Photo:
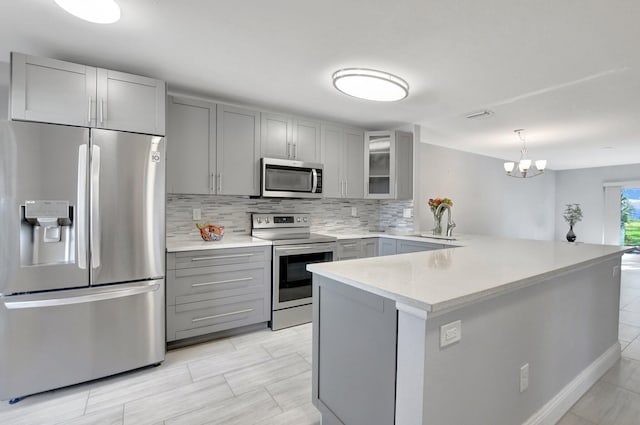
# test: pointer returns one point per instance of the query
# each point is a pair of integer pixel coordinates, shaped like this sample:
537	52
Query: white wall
4	90
585	187
486	201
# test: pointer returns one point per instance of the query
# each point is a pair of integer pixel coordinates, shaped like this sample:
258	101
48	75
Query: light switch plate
354	212
407	212
450	333
197	214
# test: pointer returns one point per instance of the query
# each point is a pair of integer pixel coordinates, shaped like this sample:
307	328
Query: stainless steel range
294	246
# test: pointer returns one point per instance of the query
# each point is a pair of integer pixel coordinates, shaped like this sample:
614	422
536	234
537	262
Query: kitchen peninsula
494	331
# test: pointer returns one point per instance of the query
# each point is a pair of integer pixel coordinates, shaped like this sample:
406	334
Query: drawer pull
221	257
349	245
243	279
215	316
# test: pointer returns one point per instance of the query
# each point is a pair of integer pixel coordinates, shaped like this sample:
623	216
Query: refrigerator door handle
95	206
81	208
85	297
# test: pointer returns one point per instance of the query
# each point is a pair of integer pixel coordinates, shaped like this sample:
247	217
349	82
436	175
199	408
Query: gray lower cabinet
369	247
215	290
403	246
351	382
59	92
387	246
212	148
348	249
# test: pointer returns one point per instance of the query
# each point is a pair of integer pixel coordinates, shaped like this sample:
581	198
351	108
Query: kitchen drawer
349	249
200	318
205	283
218	257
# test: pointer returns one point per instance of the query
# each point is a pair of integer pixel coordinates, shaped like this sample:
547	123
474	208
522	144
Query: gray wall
559	327
486	201
585	187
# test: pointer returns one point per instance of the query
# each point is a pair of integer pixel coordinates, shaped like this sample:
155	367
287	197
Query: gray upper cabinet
342	156
130	102
388	165
276	136
238	153
285	137
306	140
212	149
53	91
191	143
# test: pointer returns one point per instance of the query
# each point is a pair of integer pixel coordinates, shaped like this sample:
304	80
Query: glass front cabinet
388	165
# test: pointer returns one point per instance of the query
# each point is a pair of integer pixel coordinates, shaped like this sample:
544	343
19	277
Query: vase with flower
572	215
437	212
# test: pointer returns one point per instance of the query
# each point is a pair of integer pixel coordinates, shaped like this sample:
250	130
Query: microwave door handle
314	174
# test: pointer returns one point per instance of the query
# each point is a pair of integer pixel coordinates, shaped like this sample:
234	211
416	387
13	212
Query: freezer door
60	338
43	207
127	203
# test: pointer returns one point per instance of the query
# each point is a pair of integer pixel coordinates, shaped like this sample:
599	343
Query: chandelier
526	167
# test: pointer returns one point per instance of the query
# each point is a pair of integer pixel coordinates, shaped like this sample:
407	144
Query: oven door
291	280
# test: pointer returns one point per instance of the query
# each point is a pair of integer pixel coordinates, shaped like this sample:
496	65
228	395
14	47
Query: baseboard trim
555	409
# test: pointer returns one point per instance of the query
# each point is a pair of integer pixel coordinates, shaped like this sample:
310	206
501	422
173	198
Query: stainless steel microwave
284	178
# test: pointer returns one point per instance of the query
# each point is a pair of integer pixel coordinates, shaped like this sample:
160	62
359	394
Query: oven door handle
310	249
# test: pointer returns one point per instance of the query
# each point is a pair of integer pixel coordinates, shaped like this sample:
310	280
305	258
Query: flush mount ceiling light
96	11
370	84
526	167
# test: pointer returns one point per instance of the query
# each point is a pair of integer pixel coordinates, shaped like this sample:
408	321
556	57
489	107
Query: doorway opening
630	216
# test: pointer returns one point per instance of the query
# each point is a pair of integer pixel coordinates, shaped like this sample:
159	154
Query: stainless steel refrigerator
81	255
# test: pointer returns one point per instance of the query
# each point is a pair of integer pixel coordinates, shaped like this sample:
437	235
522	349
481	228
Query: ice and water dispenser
46	233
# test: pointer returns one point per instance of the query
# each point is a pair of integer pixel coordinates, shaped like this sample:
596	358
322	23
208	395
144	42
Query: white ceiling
567	71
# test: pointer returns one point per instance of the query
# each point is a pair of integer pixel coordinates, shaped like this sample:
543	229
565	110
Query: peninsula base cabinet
216	290
354	384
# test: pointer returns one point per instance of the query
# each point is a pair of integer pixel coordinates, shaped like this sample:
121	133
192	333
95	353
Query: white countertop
228	241
440	280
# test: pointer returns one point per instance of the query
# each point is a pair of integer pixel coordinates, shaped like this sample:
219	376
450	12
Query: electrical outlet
450	333
354	212
197	214
407	212
524	377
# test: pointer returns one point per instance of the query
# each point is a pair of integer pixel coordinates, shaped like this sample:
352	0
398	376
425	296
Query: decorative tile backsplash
234	213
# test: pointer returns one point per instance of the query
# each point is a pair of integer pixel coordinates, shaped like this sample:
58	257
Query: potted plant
572	215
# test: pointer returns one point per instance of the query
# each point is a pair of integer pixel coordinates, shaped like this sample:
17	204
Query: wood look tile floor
264	378
261	378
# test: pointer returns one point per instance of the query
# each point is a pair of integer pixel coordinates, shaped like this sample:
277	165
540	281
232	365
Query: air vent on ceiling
480	114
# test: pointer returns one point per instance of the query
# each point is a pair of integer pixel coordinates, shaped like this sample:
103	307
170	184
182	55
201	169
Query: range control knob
298	219
305	219
267	220
258	220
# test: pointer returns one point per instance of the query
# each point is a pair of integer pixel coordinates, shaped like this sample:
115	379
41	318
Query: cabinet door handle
212	187
220	282
288	150
295	151
346	188
89	112
216	316
221	257
219	183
